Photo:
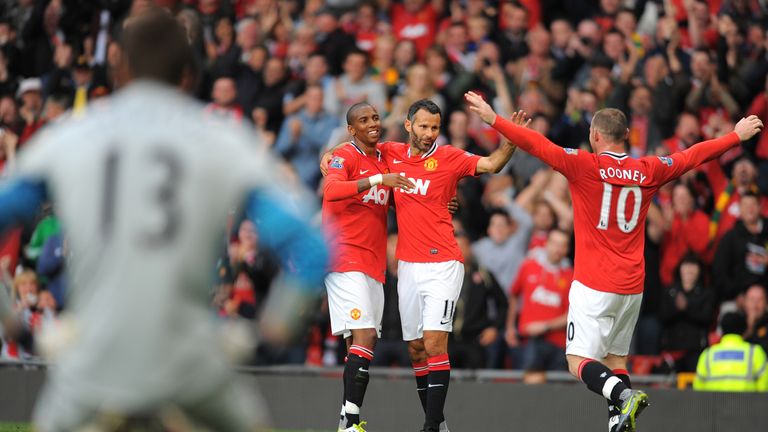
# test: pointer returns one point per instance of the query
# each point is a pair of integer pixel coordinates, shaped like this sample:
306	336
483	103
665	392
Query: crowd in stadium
682	70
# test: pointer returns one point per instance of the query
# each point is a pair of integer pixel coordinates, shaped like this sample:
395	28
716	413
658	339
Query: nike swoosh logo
395	161
434	385
444	323
362	172
363	370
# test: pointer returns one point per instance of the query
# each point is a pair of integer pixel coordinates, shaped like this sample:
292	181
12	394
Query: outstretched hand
748	127
520	118
480	106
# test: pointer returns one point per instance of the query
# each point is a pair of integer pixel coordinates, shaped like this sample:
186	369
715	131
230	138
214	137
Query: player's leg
353	311
617	364
418	356
441	288
616	358
356	375
411	304
590	322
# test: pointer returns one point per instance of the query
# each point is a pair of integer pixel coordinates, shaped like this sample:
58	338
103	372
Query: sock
421	371
437	390
356	370
342	414
602	381
623	375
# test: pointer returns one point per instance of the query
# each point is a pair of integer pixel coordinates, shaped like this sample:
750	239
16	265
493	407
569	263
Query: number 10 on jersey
621	208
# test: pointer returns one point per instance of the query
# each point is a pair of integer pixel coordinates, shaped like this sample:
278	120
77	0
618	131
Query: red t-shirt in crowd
611	195
420	27
691	234
423	221
356	227
543	289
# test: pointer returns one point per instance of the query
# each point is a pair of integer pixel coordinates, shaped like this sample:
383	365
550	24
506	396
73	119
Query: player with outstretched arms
611	194
143	183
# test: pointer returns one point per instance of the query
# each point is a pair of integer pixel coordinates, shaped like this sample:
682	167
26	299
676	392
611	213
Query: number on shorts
621	218
448	311
570	331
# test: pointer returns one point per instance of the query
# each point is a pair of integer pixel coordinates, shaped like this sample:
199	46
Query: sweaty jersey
611	194
425	230
143	185
356	226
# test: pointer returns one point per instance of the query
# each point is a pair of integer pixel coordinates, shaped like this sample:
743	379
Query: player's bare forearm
494	162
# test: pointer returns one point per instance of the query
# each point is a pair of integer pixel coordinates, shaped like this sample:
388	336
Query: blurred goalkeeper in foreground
143	184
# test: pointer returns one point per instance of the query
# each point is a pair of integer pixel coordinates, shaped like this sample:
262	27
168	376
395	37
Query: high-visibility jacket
732	365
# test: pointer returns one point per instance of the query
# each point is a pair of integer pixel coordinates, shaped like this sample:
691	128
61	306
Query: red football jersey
544	291
425	230
611	194
356	227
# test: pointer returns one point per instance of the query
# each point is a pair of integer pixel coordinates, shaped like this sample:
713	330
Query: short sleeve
341	165
463	162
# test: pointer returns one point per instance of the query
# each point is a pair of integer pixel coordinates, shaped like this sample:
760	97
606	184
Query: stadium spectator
759	106
356	85
332	42
686	311
224	101
502	251
418	85
303	136
733	365
30	94
512	33
315	73
709	96
686	230
415	20
272	93
481	311
538	308
741	258
535	69
756	312
687	133
249	77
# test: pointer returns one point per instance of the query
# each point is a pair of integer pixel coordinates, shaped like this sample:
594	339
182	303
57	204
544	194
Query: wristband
375	179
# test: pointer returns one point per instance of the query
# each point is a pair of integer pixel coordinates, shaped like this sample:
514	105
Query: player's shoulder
392	146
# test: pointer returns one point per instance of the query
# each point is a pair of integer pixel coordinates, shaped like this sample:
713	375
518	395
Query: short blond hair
612	123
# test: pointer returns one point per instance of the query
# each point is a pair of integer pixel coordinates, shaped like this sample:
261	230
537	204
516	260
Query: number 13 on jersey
621	207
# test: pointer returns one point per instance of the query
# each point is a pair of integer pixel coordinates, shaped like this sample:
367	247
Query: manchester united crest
430	164
355	314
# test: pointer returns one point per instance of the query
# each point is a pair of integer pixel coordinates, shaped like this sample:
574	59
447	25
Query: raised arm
677	164
494	162
526	139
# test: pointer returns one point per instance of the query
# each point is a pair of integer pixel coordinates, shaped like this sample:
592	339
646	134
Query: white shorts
600	323
427	293
355	301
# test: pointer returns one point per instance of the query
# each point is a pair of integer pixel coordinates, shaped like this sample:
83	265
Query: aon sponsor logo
422	186
378	196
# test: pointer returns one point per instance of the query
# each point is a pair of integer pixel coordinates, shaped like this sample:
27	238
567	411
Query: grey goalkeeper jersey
142	184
